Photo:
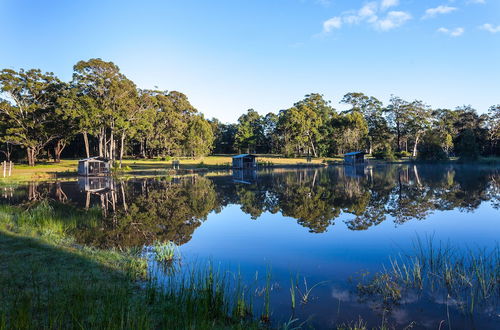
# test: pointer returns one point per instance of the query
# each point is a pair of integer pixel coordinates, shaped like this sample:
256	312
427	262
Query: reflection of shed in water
245	176
94	166
357	157
94	184
357	171
104	188
245	161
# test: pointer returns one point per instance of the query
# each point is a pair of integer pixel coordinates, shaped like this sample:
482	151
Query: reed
469	276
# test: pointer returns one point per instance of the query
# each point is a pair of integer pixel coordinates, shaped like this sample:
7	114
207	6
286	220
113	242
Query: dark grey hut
94	166
245	161
356	157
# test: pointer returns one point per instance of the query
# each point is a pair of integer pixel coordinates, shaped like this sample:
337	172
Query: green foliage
164	251
431	148
385	153
467	147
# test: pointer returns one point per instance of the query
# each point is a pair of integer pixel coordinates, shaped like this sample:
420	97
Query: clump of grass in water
165	252
470	277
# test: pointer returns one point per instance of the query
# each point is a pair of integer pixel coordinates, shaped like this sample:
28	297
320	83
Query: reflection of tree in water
139	211
158	210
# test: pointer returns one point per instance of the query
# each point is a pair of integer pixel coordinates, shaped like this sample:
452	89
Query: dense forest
101	112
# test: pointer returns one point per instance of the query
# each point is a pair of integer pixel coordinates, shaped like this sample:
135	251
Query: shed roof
98	158
354	153
244	155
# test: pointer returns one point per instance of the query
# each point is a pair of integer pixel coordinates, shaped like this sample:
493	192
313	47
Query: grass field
67	167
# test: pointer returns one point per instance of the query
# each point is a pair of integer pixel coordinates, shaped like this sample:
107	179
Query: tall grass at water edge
468	277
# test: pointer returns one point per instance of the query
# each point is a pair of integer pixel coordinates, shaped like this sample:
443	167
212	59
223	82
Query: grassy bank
48	281
67	167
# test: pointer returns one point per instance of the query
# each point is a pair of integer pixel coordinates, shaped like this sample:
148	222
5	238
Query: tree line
313	127
101	112
40	113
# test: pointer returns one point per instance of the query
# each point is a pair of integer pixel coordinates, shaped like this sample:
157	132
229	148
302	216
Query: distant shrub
467	147
402	154
385	153
431	148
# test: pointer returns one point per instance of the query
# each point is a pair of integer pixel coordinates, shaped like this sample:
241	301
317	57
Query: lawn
67	167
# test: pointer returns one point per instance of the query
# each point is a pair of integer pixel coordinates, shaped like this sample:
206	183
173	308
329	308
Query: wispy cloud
482	2
372	13
433	12
490	28
393	20
389	3
456	32
331	24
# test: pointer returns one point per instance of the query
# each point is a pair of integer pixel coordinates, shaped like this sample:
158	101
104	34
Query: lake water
325	226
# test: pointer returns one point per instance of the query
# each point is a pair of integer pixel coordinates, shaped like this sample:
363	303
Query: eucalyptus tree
417	115
250	131
396	114
28	109
108	98
494	128
199	137
371	109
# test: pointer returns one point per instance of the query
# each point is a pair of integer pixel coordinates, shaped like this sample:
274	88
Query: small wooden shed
94	166
245	161
356	157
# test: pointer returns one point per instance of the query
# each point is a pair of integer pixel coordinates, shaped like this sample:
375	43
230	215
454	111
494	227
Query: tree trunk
30	152
58	148
314	149
86	140
101	144
122	141
415	146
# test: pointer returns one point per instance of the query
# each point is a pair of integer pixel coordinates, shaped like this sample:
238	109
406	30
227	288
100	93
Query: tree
396	114
350	132
431	148
371	109
29	109
417	117
199	137
250	131
494	128
468	148
105	100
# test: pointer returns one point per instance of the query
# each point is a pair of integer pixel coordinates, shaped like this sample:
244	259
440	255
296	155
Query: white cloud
332	23
389	3
478	1
457	32
490	28
433	12
393	20
372	13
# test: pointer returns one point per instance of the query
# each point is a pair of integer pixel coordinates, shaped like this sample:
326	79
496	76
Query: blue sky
228	56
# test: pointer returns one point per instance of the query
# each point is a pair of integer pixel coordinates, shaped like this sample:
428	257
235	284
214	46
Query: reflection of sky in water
232	236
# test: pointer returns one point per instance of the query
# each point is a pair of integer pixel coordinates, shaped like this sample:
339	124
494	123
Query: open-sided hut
245	161
94	166
356	157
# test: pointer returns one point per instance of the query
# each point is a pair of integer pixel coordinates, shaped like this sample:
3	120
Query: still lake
327	226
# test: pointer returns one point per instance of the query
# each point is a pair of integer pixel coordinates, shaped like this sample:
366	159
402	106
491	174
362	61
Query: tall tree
250	131
29	109
371	109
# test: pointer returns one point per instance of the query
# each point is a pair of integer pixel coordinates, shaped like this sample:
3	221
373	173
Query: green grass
48	281
67	167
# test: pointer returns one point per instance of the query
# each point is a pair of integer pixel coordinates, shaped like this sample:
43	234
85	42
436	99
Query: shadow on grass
51	287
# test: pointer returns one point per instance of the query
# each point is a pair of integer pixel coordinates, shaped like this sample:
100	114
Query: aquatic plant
165	252
469	277
305	293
